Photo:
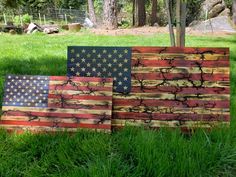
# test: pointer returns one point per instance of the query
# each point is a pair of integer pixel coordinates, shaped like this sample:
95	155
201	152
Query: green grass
129	152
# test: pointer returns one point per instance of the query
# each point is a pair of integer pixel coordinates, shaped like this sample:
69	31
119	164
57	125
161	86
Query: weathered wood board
53	103
176	87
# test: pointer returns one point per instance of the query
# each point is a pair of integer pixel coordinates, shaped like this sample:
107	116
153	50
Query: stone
225	12
216	10
209	4
217	24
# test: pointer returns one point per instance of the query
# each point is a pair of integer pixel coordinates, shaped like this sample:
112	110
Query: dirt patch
153	31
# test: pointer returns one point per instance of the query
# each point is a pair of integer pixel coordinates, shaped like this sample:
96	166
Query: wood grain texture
176	87
72	103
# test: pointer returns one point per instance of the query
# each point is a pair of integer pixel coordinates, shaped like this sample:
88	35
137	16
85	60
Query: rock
216	10
88	23
217	24
225	12
208	5
51	30
12	31
65	27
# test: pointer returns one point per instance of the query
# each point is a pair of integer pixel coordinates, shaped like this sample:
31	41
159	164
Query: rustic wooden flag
51	103
103	62
176	87
173	87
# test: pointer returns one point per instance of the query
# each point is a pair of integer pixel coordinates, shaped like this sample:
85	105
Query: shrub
26	18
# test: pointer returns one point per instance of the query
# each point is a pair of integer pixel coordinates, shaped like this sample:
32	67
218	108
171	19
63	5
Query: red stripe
81	79
169	117
180	50
172	103
221	62
80	97
79	88
79	106
51	124
180	90
179	76
56	115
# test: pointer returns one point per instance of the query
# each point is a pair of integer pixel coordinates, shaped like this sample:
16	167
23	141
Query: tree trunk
178	22
154	12
110	14
183	24
140	13
133	12
91	10
234	11
171	30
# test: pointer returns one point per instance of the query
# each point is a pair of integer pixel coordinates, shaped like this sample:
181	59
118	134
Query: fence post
21	22
5	19
44	19
40	20
66	19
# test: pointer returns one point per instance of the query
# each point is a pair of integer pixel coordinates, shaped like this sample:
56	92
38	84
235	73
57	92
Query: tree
92	12
154	12
180	22
234	11
139	13
170	21
110	14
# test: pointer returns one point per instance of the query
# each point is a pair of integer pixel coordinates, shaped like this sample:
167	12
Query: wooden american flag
176	87
51	103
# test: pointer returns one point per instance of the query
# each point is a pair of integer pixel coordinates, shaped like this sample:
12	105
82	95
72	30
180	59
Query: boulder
225	12
217	24
216	10
208	5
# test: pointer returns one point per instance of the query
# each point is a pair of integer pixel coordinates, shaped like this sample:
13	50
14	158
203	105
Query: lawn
129	152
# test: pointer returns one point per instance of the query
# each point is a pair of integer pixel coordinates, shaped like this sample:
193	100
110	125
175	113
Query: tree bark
154	12
178	22
183	24
91	10
171	30
140	13
234	11
110	14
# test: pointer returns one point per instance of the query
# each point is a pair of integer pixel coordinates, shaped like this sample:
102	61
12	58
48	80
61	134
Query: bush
26	18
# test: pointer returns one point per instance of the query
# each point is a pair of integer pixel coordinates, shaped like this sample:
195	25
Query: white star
126	69
115	51
109	64
125	78
88	64
120	74
99	64
115	60
83	51
88	73
120	65
83	69
120	83
104	51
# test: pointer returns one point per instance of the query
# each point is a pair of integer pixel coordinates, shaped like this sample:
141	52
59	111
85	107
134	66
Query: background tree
154	12
139	13
234	11
92	12
170	21
110	14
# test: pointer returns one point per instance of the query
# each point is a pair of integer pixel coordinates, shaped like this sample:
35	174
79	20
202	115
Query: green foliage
193	10
26	19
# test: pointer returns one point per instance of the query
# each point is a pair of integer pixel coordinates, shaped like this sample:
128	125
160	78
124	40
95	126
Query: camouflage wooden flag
176	87
51	103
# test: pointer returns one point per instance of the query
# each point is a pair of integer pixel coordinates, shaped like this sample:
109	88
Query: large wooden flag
173	87
102	62
43	103
176	87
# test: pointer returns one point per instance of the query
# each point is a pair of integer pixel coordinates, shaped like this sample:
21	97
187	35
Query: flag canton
103	62
26	91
